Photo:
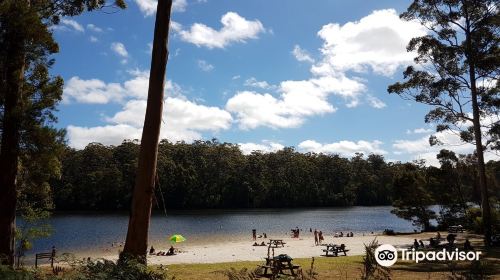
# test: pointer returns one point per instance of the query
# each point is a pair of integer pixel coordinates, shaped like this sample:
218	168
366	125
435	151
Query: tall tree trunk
485	202
137	235
476	122
9	149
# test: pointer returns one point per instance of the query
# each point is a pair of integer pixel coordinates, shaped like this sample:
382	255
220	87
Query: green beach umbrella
177	238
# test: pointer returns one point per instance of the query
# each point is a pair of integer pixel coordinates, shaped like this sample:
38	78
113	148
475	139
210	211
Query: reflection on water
75	232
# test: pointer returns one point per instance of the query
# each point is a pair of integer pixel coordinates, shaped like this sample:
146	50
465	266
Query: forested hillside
210	174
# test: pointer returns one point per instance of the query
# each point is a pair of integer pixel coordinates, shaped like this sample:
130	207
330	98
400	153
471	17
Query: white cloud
235	77
175	26
266	147
297	101
93	27
234	29
301	54
179	5
377	42
205	66
375	102
119	49
95	91
421	130
93	39
253	82
79	137
91	91
254	109
182	119
69	24
343	148
148	7
179	114
421	149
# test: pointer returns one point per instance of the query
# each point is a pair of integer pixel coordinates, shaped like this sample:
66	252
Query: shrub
371	269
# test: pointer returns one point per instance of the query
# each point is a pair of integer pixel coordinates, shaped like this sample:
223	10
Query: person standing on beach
315	237
254	234
320	237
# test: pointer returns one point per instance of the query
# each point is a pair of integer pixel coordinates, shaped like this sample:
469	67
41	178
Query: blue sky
264	74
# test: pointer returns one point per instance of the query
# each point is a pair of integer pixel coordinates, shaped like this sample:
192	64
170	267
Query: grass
327	268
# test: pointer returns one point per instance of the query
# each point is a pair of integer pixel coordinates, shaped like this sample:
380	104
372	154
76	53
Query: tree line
211	174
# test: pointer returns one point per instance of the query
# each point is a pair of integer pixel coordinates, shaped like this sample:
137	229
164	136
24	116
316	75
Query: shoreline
242	249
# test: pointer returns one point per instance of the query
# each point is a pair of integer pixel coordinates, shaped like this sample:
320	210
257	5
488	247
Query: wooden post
53	256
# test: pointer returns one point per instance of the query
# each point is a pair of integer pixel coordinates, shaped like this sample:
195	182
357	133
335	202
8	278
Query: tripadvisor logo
387	255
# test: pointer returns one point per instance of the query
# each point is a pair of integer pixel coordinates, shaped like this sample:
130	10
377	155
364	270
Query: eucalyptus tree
457	70
28	93
136	242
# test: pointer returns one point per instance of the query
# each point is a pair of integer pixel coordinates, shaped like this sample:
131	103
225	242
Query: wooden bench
51	256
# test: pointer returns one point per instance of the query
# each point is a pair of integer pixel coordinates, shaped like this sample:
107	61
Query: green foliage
234	274
412	201
371	269
31	228
476	222
99	269
28	98
9	273
210	174
102	269
460	59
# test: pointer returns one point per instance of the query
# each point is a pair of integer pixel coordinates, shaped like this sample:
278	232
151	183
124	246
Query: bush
371	269
477	220
389	232
8	273
99	269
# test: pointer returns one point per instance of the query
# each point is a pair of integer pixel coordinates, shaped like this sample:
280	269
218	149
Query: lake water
84	232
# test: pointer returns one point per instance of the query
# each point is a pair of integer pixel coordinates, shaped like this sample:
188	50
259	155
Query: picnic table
333	250
275	243
456	229
279	265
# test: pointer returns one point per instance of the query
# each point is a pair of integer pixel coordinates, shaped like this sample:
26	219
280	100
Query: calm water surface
81	232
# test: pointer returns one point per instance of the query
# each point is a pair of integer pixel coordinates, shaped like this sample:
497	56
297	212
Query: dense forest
210	174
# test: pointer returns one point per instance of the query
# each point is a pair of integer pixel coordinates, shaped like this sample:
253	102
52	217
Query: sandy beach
242	250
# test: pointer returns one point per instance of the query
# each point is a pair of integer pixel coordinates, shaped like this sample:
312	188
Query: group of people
295	232
170	252
318	237
435	241
341	234
255	236
418	244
